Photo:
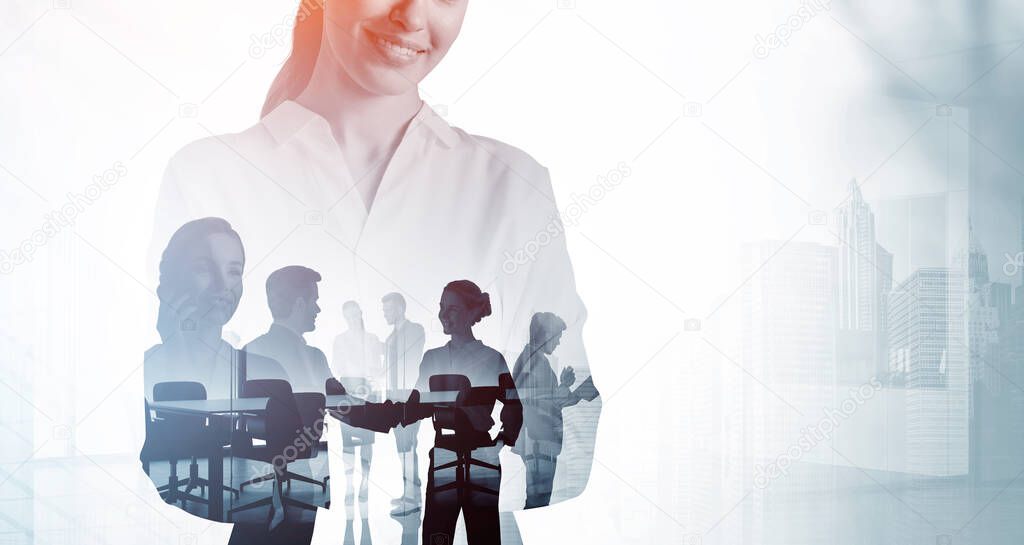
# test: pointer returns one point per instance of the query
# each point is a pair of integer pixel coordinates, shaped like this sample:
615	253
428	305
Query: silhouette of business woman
462	306
199	290
544	396
200	286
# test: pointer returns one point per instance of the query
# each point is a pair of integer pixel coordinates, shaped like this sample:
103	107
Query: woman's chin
382	79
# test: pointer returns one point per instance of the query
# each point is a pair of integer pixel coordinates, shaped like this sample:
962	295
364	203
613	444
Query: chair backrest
178	391
282	417
176	425
448	418
267	387
449	383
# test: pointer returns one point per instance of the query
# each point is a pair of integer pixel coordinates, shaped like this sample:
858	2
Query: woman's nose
409	14
218	280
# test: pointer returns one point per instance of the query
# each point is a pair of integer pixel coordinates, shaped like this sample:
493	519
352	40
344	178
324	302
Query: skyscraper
864	280
928	347
857	264
788	339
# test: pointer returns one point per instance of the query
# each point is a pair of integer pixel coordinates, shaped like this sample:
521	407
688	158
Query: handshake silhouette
459	411
381	417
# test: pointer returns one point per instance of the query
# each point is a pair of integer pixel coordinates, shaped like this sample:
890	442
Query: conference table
255	406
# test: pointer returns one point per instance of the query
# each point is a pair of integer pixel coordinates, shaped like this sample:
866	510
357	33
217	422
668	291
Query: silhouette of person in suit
403	350
292	295
358	356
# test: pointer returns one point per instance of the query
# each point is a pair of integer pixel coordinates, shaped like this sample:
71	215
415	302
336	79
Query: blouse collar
290	117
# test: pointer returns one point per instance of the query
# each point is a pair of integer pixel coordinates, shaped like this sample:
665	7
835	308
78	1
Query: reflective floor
104	500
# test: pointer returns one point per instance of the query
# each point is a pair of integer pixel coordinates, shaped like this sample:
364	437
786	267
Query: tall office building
928	348
789	320
856	224
1001	297
983	317
884	260
789	343
864	280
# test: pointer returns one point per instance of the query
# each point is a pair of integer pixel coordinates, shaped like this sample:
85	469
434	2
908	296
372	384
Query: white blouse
450	206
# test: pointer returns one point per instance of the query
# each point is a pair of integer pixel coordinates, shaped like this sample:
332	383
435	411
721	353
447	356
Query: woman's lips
395	51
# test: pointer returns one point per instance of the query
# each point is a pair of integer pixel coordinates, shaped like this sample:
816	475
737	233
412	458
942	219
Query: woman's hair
173	273
471	296
296	72
544	326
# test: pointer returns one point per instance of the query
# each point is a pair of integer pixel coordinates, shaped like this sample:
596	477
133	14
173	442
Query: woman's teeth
397	49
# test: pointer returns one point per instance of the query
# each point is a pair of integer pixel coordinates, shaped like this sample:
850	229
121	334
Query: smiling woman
350	173
383	50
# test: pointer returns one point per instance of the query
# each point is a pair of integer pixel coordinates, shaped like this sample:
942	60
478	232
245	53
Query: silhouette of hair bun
471	295
485	304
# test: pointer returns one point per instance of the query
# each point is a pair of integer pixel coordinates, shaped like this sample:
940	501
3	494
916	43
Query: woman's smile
396	51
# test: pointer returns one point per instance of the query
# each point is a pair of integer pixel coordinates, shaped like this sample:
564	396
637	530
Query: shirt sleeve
545	282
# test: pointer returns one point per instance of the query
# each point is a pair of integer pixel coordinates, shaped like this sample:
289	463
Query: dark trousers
479	509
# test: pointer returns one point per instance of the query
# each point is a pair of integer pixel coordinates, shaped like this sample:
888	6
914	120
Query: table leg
216	478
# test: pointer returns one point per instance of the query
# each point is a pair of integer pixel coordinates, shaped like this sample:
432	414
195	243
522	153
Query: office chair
289	420
176	437
461	437
271	388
